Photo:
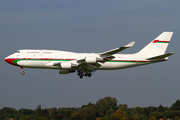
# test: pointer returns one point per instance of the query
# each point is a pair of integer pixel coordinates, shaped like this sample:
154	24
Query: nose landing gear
22	71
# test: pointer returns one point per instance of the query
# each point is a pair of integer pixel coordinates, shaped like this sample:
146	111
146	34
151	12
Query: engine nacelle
66	65
66	71
90	59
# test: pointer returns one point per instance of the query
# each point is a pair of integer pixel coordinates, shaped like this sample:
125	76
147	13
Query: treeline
104	109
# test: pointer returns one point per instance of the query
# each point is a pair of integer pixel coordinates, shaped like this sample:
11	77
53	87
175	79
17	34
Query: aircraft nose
9	60
5	59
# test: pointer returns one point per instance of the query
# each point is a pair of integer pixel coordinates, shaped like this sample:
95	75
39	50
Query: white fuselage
47	58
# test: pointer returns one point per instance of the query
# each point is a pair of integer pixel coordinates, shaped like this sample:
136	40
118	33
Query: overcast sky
88	26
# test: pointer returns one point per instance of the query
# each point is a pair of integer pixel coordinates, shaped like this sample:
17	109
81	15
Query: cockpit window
17	51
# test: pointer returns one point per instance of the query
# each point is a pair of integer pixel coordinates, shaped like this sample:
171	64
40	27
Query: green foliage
137	111
87	113
123	107
8	112
176	105
143	117
146	112
153	109
153	118
114	117
161	108
174	113
107	103
19	117
176	118
26	111
166	114
156	114
165	118
104	109
52	112
109	112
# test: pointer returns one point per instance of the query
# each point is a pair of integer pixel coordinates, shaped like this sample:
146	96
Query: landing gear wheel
86	74
81	75
90	74
22	72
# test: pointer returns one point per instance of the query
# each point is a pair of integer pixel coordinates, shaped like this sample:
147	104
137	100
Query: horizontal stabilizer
116	50
160	56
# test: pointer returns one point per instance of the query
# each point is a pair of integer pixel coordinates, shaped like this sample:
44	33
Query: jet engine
67	65
90	59
93	59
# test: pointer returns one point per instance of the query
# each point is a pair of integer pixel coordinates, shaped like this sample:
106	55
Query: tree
154	109
45	113
143	117
19	117
100	112
109	112
38	110
74	114
113	117
52	112
88	113
166	114
165	118
174	113
107	103
176	105
146	112
69	112
26	111
176	118
59	117
123	107
137	111
161	108
155	114
8	112
153	118
119	113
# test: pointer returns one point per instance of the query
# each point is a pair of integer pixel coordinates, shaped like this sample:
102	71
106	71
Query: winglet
130	44
116	50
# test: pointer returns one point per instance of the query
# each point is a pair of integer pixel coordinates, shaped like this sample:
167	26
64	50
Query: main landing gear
22	71
82	74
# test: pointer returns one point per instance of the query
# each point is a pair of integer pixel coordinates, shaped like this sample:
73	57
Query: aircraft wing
90	66
116	50
89	62
74	64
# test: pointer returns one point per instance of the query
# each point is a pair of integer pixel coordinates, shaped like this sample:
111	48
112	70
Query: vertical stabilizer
158	46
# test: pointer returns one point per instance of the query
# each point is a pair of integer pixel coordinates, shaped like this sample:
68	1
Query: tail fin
158	46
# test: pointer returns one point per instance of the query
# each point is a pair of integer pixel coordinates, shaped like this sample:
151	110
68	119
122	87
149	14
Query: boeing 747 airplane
85	63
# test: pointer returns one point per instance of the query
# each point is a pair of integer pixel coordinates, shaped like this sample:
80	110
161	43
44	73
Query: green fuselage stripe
162	42
123	61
